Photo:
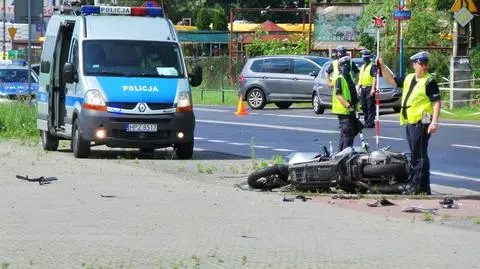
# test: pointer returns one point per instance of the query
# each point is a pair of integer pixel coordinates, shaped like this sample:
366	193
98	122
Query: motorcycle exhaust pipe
383	188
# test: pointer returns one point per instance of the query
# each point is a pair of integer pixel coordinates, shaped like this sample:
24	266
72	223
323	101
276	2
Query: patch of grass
477	220
18	120
428	217
209	169
234	169
461	113
252	154
278	159
181	169
214	97
263	164
446	216
419	196
196	260
5	265
244	260
200	168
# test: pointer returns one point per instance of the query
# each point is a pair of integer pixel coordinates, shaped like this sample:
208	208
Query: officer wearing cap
341	52
345	104
367	94
420	111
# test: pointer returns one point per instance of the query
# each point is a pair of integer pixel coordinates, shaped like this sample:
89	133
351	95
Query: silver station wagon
279	79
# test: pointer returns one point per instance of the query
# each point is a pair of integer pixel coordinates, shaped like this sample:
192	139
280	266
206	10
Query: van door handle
294	79
265	77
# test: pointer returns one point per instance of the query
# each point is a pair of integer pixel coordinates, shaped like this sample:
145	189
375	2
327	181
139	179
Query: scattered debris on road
41	180
419	209
381	202
107	196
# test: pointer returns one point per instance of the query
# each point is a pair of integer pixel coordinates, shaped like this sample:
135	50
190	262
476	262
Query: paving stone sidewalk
108	212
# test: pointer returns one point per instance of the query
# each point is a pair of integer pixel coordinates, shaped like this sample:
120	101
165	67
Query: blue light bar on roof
115	10
87	10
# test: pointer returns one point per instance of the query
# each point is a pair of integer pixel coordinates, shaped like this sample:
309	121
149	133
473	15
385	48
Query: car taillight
241	78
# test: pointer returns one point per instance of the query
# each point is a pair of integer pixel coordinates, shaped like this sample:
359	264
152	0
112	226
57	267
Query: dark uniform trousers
350	126
368	105
418	137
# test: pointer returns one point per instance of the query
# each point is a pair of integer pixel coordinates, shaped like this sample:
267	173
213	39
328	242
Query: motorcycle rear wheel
270	177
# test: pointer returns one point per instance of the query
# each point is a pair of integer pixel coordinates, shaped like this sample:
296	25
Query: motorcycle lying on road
354	169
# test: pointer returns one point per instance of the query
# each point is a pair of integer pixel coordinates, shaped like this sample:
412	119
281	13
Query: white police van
115	76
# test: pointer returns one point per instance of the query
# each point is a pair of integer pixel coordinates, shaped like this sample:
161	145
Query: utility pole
29	48
4	30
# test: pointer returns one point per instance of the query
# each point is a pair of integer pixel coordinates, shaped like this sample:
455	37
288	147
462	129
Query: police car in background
14	82
115	76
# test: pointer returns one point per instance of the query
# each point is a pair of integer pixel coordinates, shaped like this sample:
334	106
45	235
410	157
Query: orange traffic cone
241	107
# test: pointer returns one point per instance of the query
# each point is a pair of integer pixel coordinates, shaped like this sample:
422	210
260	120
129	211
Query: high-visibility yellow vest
336	70
418	102
337	106
364	77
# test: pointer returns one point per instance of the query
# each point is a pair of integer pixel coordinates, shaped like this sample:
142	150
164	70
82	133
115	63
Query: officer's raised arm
385	72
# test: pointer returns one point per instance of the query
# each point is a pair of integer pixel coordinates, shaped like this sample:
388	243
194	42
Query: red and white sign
378	21
48	11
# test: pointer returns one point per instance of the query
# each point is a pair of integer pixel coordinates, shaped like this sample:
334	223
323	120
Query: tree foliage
204	19
220	22
426	28
292	45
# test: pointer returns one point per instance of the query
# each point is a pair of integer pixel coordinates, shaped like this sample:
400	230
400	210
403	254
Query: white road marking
283	150
335	118
216	141
198	149
261	147
442	174
389	138
238	144
211	110
199	138
280	127
465	146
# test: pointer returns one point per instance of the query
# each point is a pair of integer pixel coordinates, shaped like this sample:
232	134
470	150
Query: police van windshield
132	58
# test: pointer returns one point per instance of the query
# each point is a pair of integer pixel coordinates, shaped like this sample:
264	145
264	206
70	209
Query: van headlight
94	100
184	103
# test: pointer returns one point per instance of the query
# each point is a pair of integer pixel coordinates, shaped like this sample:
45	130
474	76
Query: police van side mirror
195	77
69	73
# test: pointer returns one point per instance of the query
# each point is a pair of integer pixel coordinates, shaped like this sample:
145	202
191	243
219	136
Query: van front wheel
49	142
80	146
184	151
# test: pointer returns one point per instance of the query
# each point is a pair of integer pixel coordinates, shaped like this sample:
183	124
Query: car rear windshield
132	58
15	75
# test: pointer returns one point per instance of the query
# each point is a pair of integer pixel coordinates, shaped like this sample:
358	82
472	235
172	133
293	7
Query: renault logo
142	107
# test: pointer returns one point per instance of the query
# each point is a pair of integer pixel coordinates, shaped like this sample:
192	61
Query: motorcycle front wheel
270	177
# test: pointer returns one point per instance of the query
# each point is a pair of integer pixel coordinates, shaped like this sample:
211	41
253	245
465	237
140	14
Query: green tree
220	22
424	29
204	19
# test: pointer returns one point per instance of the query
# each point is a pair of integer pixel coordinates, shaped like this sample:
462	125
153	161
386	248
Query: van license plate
140	127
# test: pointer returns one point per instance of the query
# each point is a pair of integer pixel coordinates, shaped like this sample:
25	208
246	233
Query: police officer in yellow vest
367	94
334	67
345	104
420	111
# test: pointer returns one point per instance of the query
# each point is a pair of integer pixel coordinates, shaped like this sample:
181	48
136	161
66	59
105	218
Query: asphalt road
454	150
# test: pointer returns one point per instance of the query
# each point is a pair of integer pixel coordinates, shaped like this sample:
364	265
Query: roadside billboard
336	24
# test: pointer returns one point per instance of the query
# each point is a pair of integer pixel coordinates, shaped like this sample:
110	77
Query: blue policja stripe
42	97
125	89
71	100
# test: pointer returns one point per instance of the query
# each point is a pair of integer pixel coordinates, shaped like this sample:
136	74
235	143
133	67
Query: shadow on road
159	154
